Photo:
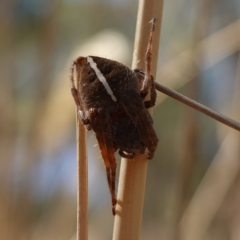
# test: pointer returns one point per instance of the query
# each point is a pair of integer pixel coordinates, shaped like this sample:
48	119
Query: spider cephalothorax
110	101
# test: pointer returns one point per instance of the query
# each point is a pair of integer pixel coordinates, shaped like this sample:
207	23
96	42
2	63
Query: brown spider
110	101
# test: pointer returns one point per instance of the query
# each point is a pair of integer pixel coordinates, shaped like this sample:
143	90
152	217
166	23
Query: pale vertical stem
82	171
132	177
217	182
189	152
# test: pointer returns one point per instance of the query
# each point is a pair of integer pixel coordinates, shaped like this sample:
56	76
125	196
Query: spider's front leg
153	94
100	124
148	60
75	93
133	105
150	86
145	78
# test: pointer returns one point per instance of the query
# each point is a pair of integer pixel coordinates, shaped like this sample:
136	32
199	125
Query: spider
110	101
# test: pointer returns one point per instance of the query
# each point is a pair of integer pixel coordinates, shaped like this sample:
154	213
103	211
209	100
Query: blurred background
192	189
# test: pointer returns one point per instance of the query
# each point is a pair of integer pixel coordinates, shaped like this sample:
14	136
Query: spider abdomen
125	134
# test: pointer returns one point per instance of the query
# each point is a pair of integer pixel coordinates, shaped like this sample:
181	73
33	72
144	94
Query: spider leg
75	93
150	103
133	105
148	82
148	60
143	92
100	124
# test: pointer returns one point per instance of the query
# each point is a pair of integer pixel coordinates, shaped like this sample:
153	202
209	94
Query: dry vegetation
192	189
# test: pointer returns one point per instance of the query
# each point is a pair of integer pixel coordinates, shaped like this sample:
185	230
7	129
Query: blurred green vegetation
37	123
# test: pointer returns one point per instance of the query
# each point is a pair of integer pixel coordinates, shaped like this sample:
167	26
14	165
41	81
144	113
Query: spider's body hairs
101	78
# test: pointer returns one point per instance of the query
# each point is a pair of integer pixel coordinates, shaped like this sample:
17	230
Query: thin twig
199	107
82	171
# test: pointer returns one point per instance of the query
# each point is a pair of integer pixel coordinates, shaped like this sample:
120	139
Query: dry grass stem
217	182
132	177
212	190
82	171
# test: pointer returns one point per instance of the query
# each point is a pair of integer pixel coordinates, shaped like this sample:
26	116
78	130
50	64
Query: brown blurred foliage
192	185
